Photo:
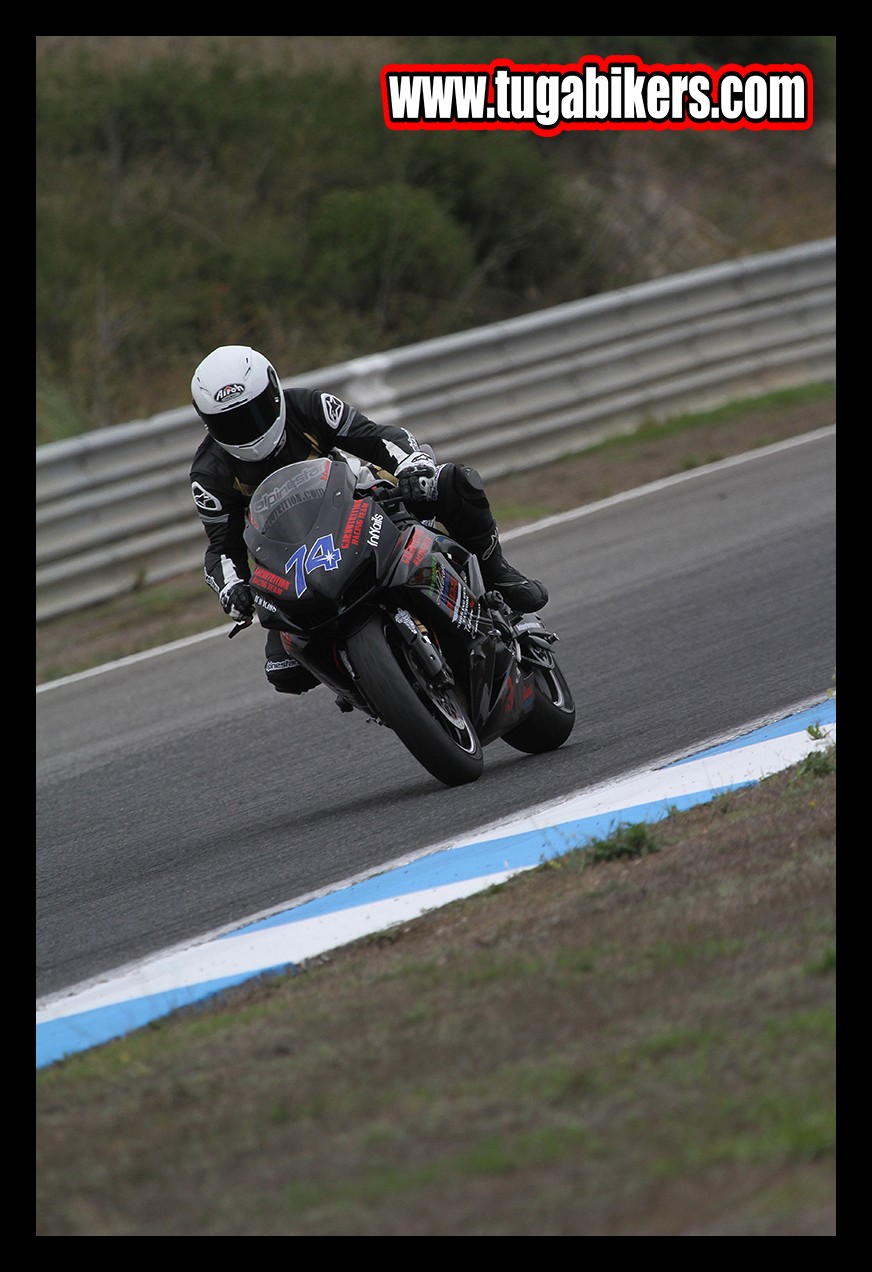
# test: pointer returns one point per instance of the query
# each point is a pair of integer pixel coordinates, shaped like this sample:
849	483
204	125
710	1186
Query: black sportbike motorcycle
392	615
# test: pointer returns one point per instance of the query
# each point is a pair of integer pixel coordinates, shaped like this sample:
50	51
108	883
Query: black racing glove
237	601
416	478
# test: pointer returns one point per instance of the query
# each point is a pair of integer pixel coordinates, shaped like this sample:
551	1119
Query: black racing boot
520	593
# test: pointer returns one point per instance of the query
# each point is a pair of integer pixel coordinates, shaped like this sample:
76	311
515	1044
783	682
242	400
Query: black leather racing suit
317	422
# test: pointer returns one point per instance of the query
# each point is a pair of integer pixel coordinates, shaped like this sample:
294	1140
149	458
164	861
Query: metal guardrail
114	508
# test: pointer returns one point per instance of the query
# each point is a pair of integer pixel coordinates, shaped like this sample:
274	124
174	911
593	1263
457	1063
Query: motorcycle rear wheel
428	719
552	717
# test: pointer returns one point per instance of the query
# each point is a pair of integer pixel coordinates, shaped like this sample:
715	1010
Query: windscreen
286	503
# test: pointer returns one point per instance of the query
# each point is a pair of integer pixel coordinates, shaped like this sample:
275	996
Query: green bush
391	251
198	195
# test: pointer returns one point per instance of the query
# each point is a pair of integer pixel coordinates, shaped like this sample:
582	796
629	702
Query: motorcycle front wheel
429	719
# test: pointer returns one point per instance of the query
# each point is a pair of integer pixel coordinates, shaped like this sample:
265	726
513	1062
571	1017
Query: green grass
645	1046
768	404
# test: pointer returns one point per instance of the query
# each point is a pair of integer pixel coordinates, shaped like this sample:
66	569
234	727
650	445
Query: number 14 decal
323	555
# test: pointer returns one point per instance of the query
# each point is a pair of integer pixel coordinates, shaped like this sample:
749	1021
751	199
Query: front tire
428	719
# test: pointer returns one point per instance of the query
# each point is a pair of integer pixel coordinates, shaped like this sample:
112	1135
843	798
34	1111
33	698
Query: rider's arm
331	422
222	513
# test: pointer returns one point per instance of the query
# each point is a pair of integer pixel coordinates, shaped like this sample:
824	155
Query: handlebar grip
384	493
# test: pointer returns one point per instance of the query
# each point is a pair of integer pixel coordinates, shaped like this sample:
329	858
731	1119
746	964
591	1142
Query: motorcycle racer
254	427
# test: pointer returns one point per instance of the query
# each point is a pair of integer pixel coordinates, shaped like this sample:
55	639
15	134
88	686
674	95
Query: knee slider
466	483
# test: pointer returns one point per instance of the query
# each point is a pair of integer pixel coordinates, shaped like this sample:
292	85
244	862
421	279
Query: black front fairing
317	548
326	554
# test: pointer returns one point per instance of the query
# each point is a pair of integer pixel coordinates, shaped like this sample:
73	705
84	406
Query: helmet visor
248	422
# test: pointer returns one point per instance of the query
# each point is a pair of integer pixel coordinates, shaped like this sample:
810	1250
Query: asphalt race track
178	795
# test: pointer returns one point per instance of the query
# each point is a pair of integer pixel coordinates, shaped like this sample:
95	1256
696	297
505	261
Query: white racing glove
236	601
416	476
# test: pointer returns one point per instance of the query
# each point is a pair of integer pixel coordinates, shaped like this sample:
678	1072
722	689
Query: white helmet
238	397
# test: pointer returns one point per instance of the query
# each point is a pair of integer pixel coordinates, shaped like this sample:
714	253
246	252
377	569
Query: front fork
415	638
420	644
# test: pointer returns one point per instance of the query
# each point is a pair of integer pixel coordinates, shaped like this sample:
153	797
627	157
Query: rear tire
552	717
429	720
